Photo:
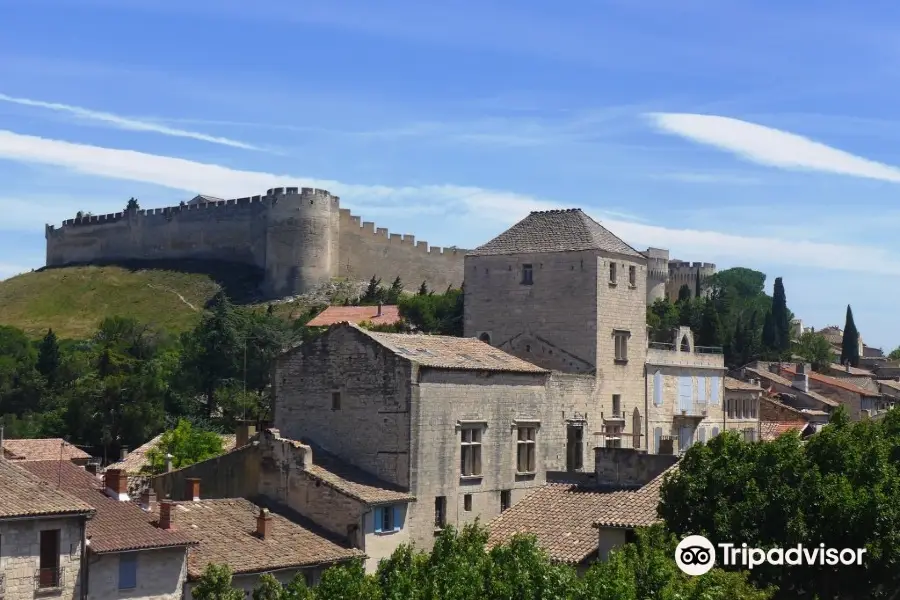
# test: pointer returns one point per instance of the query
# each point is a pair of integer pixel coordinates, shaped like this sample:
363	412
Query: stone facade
20	558
684	392
406	423
299	237
160	575
742	410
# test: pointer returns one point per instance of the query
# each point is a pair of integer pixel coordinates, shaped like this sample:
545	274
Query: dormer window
527	275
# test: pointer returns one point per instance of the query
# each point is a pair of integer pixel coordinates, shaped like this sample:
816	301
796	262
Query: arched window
485	337
685	344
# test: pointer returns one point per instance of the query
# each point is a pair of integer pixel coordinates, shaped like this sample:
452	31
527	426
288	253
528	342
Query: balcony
614	417
674	348
695	413
49	579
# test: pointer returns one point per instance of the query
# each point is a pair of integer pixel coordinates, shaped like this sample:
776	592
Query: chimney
148	500
123	453
192	489
169	458
379	310
244	431
116	484
801	381
264	523
165	514
848	367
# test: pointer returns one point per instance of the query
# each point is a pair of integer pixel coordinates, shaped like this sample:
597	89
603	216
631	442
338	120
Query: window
657	435
657	389
128	571
621	338
505	500
574	447
703	435
335	401
527	275
49	573
729	404
703	391
715	431
752	408
685	393
440	512
632	276
526	450
685	438
388	519
612	272
612	436
617	405
470	465
467	502
714	391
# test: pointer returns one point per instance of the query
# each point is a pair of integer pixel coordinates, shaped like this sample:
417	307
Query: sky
747	133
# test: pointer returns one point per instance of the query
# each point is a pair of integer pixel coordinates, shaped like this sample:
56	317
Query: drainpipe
85	572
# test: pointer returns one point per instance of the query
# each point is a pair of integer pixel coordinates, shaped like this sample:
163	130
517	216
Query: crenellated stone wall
300	238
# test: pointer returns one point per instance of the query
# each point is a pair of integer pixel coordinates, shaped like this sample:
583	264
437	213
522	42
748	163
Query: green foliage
186	444
215	584
782	318
895	354
440	314
841	488
268	588
814	349
48	359
132	204
684	293
850	343
423	289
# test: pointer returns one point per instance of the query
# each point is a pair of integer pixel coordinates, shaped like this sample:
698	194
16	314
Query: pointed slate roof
555	231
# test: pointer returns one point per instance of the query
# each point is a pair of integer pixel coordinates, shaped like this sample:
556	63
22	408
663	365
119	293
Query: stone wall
627	467
235	474
770	410
161	575
20	557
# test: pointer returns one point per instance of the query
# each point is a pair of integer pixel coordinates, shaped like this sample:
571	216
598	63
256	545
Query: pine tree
781	318
48	359
710	333
423	289
394	293
132	204
850	343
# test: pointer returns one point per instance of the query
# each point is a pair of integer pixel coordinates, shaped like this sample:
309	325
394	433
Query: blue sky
745	133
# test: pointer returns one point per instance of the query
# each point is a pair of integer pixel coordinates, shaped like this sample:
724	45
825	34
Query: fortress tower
685	273
657	274
299	238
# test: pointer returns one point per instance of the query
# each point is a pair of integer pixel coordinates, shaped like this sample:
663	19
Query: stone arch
485	337
685	344
636	427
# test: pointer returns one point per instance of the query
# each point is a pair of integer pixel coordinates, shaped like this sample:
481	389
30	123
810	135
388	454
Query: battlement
355	224
681	265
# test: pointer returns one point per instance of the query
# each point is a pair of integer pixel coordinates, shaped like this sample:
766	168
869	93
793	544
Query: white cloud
771	147
709	178
475	205
126	123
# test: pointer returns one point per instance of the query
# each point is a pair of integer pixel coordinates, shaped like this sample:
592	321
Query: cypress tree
780	316
769	334
698	290
48	359
710	333
850	343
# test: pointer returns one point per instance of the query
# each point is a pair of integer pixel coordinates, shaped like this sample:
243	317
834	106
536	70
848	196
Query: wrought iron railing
49	578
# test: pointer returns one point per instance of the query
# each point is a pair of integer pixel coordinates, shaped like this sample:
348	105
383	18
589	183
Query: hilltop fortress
299	237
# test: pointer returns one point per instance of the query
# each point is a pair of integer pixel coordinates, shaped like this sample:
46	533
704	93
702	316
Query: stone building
466	428
742	407
684	392
666	277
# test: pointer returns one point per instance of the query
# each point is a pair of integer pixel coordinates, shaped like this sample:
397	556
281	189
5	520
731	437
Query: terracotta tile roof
825	379
737	384
42	449
226	530
774	377
849	370
137	460
447	352
354	482
771	430
556	231
117	526
24	494
390	314
564	517
866	383
889	383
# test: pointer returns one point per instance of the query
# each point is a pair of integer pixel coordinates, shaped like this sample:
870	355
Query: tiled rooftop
42	449
23	494
447	352
774	377
563	517
832	381
737	384
390	314
771	430
226	530
556	231
134	463
837	368
116	526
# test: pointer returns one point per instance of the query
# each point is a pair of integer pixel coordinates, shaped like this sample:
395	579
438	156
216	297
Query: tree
373	293
895	354
186	444
392	296
48	359
268	588
423	289
440	314
684	293
781	317
215	584
132	204
814	349
710	333
662	320
770	335
850	343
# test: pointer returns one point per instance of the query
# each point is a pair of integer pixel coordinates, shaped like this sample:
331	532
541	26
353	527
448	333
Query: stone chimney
801	380
848	367
148	500
263	523
165	514
244	431
123	453
116	483
192	489
169	458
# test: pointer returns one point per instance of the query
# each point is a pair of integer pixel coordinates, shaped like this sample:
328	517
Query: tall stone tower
657	274
302	239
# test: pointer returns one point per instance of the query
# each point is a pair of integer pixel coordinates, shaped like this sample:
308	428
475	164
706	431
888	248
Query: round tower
657	274
301	240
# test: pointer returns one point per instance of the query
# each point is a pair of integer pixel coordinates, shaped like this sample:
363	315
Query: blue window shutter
127	571
378	519
657	434
714	392
715	431
398	517
657	389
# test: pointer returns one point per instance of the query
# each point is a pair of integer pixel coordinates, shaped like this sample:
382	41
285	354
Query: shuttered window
657	389
685	391
714	390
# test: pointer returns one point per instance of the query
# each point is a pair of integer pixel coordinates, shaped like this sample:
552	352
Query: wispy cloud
500	207
715	178
126	123
771	147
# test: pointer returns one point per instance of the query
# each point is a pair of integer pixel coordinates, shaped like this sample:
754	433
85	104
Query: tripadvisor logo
696	555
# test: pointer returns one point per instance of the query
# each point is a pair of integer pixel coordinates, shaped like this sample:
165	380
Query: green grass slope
73	300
